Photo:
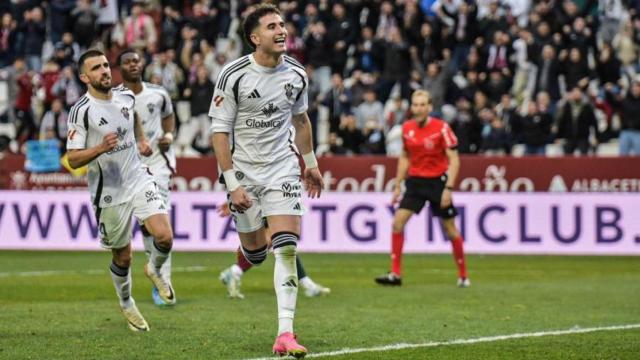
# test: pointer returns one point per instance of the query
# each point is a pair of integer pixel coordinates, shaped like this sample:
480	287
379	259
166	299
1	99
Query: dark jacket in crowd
578	128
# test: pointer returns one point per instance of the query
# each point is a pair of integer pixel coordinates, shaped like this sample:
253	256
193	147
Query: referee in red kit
431	160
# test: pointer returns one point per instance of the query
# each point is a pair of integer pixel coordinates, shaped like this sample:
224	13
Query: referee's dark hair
88	54
123	53
252	21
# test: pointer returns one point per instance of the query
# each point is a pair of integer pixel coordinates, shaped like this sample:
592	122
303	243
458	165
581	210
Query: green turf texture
75	314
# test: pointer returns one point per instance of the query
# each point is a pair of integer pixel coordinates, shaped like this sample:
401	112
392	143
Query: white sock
158	256
236	270
285	281
306	282
165	270
121	278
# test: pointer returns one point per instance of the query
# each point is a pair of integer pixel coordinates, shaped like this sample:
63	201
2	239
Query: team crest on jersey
125	112
429	144
120	132
269	110
288	90
151	108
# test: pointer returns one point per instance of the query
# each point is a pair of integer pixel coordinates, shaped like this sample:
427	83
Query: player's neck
136	87
267	60
422	120
98	94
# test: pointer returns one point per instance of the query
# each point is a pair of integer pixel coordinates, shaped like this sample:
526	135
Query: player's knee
164	239
397	226
257	256
285	243
123	260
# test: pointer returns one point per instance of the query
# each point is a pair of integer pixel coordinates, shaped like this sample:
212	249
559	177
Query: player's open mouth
280	40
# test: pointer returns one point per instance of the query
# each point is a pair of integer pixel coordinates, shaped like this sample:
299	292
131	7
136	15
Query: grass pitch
62	305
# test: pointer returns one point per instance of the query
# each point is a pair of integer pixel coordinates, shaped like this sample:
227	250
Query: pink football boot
286	344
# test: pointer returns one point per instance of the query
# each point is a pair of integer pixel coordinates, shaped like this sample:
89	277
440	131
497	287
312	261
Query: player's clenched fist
144	148
109	142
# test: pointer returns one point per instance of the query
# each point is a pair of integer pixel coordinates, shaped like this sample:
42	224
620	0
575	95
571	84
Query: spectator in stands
370	110
139	29
534	128
8	39
548	70
496	140
630	119
467	127
196	132
397	65
24	114
341	34
34	30
374	139
334	146
338	101
170	75
368	52
576	70
319	54
171	28
48	77
54	124
84	18
577	122
67	88
436	80
350	134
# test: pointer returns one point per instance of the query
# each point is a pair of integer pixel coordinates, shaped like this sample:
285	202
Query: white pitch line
574	330
86	272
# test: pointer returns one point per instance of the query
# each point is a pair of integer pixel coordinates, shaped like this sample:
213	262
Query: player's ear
255	39
84	78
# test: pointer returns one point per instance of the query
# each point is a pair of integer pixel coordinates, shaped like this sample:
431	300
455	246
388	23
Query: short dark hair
253	20
88	54
123	53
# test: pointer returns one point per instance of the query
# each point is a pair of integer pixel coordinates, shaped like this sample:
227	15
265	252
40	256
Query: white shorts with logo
115	221
283	197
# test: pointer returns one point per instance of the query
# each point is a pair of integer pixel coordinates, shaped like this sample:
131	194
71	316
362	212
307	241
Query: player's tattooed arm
303	139
143	144
81	157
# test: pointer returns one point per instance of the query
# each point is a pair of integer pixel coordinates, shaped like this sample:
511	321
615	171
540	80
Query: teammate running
257	98
153	105
431	160
102	125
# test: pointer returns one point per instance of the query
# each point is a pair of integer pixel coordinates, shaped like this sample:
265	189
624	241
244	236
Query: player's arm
401	173
81	157
143	145
168	127
312	178
238	195
454	169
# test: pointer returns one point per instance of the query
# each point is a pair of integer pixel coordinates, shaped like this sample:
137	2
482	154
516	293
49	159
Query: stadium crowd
502	73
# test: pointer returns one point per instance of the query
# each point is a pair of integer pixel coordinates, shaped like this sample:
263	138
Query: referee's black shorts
420	190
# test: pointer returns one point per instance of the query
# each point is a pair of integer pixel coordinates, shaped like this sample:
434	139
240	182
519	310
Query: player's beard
131	78
100	87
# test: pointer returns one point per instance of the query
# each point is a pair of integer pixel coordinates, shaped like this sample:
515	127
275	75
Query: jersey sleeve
77	133
223	110
167	106
302	100
450	139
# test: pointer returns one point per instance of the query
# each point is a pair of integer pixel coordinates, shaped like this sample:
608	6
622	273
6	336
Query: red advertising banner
375	174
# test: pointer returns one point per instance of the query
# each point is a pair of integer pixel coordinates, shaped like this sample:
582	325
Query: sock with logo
147	240
242	261
285	278
458	256
121	278
397	241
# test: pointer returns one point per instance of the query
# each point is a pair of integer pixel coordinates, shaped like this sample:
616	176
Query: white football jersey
254	104
152	105
116	175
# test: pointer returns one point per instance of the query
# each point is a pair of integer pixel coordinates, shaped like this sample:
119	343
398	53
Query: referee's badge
125	112
288	89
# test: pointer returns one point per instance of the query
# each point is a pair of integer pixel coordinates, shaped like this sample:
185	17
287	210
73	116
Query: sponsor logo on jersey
121	132
125	112
269	110
260	124
291	190
151	196
218	100
120	148
151	108
288	90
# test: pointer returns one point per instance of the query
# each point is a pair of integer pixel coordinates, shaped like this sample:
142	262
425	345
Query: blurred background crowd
512	77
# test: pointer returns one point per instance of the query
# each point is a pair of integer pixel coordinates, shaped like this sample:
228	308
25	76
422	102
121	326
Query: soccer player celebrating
153	105
256	99
231	277
431	160
105	134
